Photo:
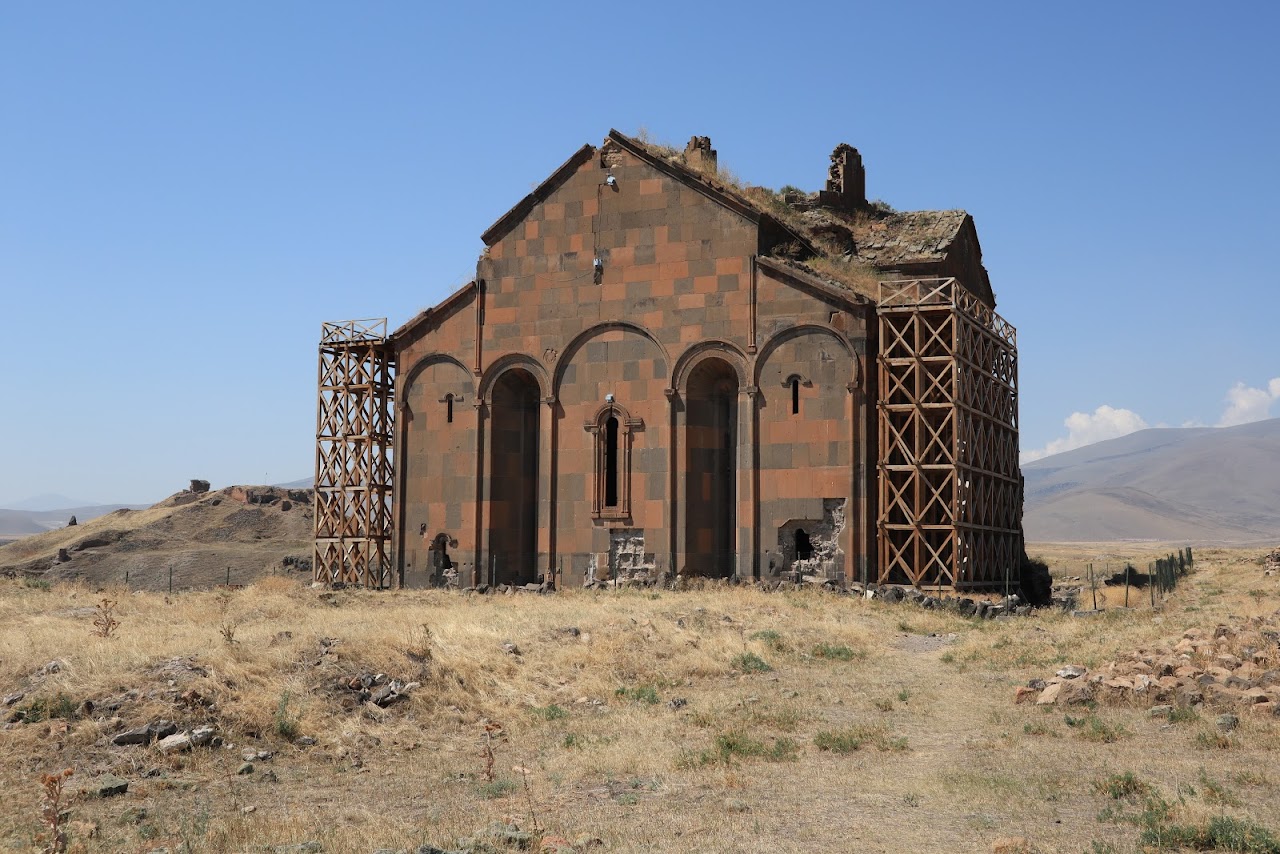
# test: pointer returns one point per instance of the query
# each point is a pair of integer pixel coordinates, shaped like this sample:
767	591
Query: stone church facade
658	372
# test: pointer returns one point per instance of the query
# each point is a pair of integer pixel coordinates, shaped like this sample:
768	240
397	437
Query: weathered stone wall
435	458
679	327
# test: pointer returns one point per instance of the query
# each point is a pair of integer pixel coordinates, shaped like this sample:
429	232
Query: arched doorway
513	480
711	456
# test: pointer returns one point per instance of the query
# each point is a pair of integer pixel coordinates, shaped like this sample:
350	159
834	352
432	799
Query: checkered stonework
634	385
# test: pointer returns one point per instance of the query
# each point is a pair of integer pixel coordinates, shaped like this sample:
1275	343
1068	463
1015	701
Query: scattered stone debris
1012	605
1271	563
1229	666
376	688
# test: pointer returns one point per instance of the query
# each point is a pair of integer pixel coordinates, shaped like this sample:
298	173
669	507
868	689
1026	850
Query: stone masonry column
480	570
674	472
746	564
546	488
748	499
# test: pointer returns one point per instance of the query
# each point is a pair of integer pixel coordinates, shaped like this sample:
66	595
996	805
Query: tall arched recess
711	454
513	478
438	447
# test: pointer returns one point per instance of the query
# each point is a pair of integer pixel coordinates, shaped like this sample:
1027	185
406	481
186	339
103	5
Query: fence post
1151	582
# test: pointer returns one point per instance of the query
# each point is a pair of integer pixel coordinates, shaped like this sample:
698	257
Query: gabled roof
509	219
814	281
673	165
714	190
427	315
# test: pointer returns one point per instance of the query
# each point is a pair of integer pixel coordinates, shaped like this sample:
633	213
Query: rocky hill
231	535
1208	485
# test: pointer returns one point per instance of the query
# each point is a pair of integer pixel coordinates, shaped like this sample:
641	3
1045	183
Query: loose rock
197	737
109	785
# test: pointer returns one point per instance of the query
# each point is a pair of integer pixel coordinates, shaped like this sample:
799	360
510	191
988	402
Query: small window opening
448	403
795	396
804	548
611	462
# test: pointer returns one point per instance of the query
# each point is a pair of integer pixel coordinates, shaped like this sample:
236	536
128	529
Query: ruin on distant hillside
658	372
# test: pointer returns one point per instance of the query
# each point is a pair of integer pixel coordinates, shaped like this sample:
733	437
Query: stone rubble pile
1271	563
1229	666
1012	605
376	688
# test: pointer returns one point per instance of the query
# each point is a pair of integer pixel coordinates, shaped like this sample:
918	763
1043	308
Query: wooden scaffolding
353	455
950	486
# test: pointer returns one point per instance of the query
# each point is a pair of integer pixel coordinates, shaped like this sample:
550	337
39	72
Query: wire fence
1157	583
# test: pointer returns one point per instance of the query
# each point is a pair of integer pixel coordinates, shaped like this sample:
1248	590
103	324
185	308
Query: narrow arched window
611	462
448	404
804	548
795	396
612	430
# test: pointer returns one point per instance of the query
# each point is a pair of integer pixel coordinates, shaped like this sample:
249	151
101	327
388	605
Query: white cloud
1084	429
1246	404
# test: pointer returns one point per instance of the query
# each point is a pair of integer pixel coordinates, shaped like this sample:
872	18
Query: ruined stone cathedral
659	372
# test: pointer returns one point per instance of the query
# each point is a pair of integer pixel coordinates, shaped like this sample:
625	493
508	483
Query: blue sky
188	190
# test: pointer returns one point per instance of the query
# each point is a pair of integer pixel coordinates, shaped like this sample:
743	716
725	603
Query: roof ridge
507	221
716	190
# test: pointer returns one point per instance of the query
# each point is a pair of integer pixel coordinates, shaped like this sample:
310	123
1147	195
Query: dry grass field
636	720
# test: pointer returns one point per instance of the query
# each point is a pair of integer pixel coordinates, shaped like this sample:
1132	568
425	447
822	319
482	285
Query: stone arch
730	354
513	469
794	332
429	361
509	362
711	450
571	349
433	359
430	448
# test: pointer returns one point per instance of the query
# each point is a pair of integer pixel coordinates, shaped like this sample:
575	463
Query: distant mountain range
1193	484
18	523
51	501
1190	484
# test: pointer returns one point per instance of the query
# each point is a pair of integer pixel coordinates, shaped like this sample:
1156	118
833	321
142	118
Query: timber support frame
949	479
354	434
